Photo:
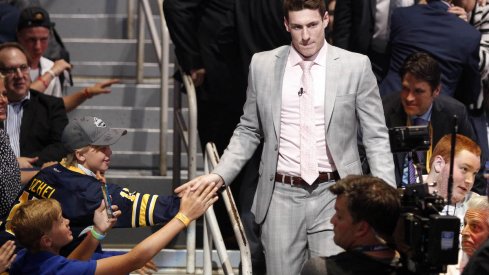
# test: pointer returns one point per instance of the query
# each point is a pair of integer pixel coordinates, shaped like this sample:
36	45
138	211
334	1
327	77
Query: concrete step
128	117
112	26
114	69
173	261
127	95
109	50
90	6
150	160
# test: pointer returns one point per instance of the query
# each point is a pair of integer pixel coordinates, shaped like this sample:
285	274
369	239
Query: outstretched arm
74	100
193	205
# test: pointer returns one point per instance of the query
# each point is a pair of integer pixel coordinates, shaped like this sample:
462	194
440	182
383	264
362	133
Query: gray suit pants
297	227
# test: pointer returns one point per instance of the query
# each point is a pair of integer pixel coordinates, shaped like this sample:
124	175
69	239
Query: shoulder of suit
444	101
274	52
41	96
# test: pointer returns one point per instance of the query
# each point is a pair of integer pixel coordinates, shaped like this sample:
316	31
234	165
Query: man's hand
195	183
59	66
148	268
482	2
458	11
102	87
7	255
102	222
197	76
25	162
194	204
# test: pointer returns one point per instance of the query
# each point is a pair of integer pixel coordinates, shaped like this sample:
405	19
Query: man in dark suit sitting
420	100
35	121
451	41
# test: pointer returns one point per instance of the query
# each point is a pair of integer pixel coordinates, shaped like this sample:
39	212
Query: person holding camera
420	103
367	211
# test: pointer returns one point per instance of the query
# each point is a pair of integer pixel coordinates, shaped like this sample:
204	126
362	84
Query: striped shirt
12	123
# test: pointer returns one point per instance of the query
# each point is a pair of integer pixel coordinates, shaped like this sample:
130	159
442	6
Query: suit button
271	178
276	147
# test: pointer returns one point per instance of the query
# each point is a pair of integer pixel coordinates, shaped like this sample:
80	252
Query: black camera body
409	138
428	241
431	240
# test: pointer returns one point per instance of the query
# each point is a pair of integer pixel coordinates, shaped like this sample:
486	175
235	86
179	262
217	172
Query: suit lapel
332	76
276	87
28	114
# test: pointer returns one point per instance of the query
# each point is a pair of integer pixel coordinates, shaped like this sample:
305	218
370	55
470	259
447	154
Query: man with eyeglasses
35	121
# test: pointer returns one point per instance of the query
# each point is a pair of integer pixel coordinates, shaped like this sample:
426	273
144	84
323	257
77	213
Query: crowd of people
305	137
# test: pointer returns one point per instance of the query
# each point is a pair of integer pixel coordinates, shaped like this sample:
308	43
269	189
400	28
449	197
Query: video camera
428	241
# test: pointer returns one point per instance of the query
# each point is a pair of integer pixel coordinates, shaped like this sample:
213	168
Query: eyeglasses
10	71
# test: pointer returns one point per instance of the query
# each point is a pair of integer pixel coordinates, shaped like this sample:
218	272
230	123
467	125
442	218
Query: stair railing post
165	91
140	49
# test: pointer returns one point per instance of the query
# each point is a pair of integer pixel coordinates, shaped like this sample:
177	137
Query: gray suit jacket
352	104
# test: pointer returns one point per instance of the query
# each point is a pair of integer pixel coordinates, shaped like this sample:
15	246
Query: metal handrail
211	160
162	49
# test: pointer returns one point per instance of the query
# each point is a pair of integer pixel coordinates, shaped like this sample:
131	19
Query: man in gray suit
293	208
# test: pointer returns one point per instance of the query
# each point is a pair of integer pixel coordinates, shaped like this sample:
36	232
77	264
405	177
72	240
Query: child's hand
7	255
101	220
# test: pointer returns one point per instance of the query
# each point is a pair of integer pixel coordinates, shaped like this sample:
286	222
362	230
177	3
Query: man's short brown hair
33	219
14	45
298	5
372	200
444	147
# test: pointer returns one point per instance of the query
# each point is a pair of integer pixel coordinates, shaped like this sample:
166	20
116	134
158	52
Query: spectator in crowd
363	27
43	231
475	231
33	33
74	184
477	16
290	180
475	236
366	213
35	121
9	168
420	103
451	41
466	164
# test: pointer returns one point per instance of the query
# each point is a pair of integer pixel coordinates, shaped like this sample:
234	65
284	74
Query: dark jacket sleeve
142	209
342	24
43	122
182	18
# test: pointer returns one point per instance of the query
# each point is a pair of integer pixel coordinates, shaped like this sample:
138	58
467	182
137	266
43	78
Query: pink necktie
309	163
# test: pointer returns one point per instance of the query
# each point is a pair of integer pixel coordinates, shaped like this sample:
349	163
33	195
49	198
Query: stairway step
172	259
128	95
128	117
110	50
150	160
91	6
114	69
97	25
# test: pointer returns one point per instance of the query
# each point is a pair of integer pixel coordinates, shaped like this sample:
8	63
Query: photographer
465	167
367	210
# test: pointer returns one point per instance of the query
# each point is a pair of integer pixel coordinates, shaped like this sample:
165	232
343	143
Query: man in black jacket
35	121
420	99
